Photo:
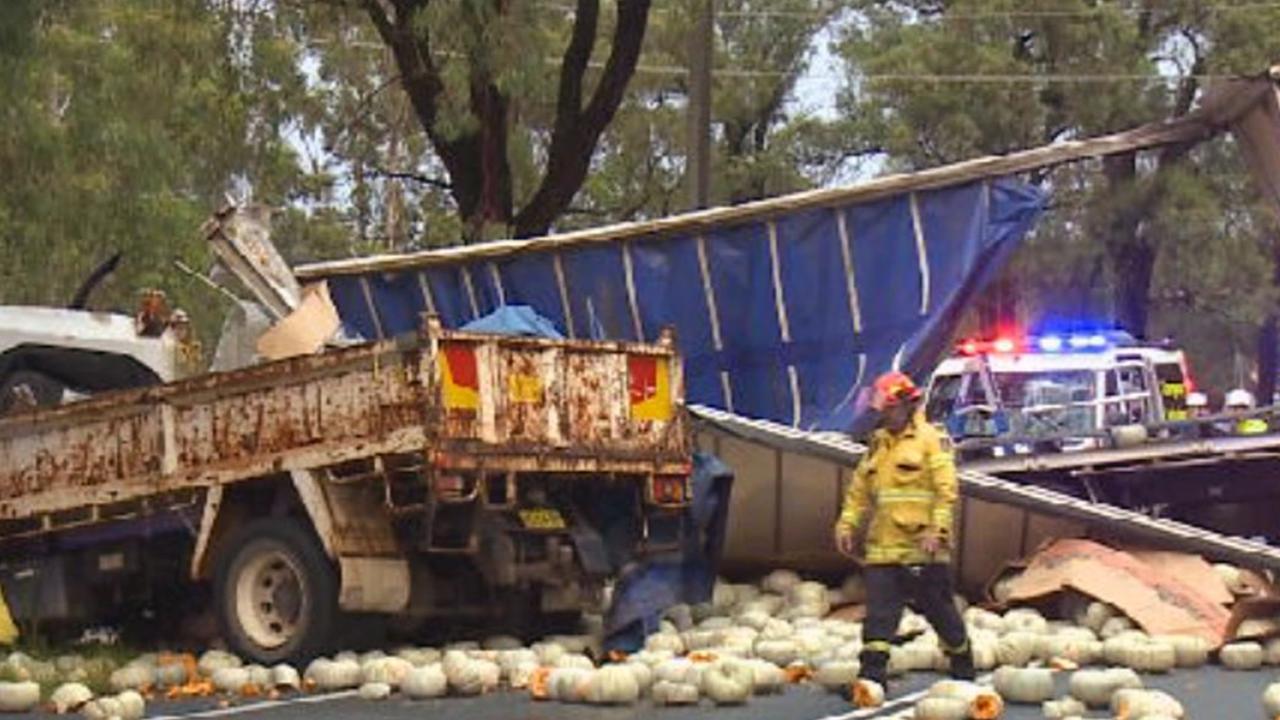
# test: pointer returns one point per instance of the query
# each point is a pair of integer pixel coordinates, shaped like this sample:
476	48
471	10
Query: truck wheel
277	592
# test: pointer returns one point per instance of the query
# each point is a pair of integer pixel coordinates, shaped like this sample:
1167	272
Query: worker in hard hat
902	502
1197	405
1240	402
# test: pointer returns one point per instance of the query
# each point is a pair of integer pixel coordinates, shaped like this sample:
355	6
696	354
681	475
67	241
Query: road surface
1209	693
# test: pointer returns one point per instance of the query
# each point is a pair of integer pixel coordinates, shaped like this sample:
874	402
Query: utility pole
701	46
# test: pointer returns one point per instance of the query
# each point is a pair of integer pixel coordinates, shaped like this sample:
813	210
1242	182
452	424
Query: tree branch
407	175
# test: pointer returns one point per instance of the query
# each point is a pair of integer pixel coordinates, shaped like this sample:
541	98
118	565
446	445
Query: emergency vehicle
1057	391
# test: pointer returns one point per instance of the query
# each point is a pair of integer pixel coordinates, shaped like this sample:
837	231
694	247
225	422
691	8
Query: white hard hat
1239	398
1197	400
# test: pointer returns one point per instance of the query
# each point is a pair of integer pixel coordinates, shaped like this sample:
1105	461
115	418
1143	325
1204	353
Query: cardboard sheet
305	330
1192	570
1156	599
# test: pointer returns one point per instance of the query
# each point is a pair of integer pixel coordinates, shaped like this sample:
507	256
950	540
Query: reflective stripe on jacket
906	483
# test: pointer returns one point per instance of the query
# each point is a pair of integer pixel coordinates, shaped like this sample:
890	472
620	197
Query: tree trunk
1132	255
1269	337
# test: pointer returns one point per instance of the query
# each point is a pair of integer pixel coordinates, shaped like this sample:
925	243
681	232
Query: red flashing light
969	347
1003	345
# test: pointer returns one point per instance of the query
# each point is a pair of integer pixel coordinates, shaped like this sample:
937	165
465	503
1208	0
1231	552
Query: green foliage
1032	73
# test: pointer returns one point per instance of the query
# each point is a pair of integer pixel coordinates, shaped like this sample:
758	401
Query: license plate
542	519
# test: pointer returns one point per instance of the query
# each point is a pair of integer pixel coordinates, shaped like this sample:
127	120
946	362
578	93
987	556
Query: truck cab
1059	392
51	355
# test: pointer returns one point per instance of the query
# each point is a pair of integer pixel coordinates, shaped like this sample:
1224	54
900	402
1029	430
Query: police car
1056	391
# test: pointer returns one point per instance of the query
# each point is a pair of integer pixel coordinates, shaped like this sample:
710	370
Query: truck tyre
43	389
277	592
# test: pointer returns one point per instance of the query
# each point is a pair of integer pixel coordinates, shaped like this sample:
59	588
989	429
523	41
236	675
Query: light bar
1005	345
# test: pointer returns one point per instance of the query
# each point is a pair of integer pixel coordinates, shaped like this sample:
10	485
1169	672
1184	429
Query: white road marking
264	705
893	704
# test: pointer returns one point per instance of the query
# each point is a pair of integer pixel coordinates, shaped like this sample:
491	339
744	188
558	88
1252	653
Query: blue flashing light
1078	342
1097	341
1050	343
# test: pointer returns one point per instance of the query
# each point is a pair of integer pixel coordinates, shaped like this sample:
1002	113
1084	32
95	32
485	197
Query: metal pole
701	46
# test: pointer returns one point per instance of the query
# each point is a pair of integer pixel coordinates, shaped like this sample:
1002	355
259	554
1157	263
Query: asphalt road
1209	693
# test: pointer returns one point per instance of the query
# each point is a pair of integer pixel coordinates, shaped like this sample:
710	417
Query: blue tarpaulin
784	316
519	320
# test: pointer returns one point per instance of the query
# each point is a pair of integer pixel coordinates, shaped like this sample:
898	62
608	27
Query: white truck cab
50	355
1069	388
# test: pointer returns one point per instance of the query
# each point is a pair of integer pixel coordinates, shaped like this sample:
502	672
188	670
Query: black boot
962	664
874	666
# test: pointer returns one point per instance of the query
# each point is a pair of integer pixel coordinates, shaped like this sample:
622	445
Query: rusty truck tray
493	402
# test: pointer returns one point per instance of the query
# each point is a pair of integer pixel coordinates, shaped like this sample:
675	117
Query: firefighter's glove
931	543
846	543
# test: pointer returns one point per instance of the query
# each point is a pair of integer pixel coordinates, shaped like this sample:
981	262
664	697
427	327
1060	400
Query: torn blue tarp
644	590
515	320
781	314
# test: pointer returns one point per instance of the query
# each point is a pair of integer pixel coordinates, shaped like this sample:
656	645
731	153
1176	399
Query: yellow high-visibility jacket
907	484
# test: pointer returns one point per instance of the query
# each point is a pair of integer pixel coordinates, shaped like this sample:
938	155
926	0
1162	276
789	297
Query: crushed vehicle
441	473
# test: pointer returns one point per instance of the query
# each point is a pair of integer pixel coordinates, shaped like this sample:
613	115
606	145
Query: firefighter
903	496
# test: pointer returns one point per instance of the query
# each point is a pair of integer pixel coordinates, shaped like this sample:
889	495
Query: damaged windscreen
1047	403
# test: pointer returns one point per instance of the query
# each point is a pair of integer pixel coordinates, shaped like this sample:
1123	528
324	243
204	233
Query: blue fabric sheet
515	320
787	318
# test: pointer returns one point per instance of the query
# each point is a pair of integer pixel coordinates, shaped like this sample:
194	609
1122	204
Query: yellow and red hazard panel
649	383
459	378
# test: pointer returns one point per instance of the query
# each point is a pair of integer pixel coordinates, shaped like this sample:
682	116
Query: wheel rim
271	599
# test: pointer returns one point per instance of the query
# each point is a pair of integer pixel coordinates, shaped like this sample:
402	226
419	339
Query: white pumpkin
642	673
1094	687
131	677
368	657
569	684
613	685
754	619
425	682
104	708
778	652
1271	652
980	702
1232	577
1190	651
1017	648
285	677
1062	708
548	652
1070	646
1024	685
986	654
1025	620
767	678
576	661
419	656
657	641
259	676
1095	615
780	582
838	675
1146	655
581	644
374	691
214	659
389	671
728	682
68	697
1241	656
471	676
695	640
518	676
680	670
1271	701
132	705
720	622
979	619
680	616
231	679
457	646
1143	703
808	593
867	693
941	708
168	675
1115	626
670	693
723	596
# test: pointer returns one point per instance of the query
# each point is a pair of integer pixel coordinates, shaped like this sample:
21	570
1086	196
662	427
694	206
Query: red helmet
892	388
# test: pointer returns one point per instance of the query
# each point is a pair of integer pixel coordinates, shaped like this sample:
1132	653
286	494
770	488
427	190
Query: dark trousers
928	589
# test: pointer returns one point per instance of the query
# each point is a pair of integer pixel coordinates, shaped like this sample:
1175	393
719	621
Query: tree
124	125
944	81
